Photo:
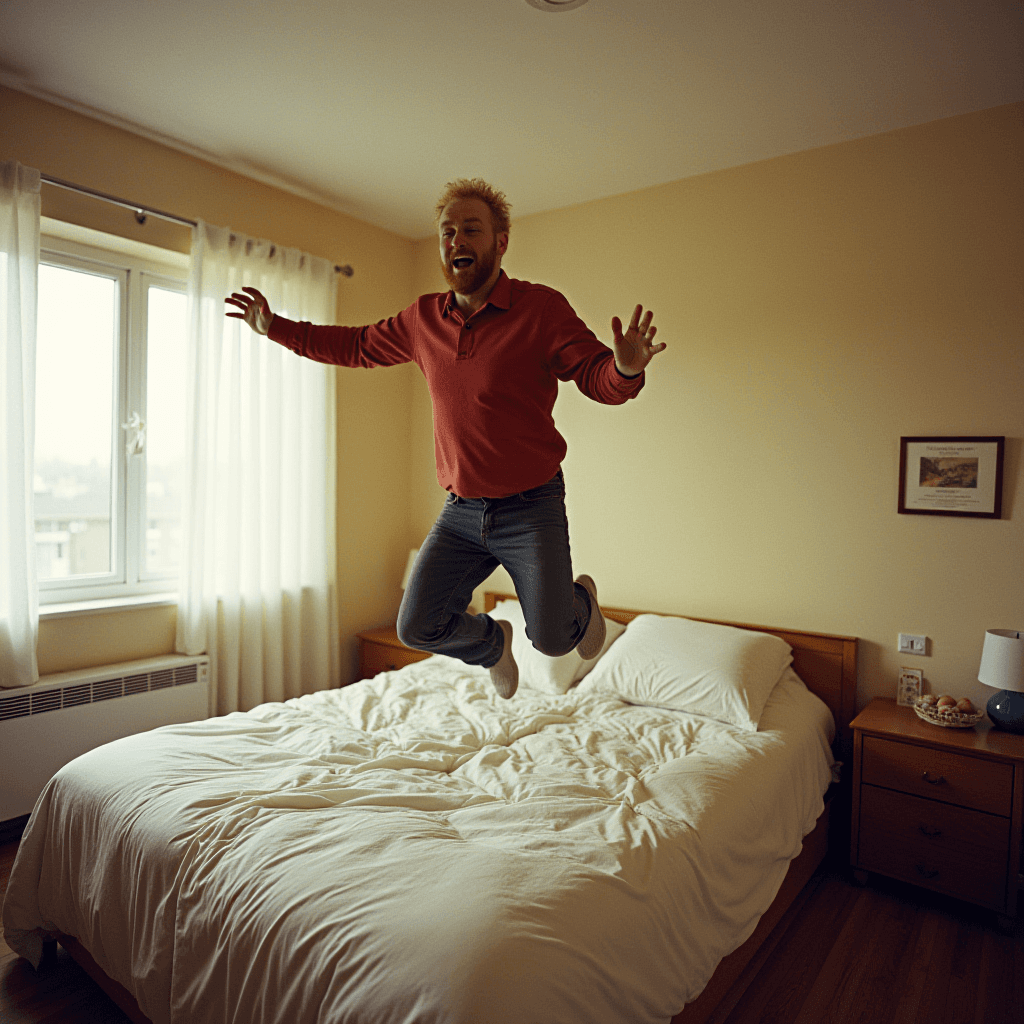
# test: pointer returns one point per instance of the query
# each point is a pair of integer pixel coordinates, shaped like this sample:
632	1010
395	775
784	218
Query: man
492	350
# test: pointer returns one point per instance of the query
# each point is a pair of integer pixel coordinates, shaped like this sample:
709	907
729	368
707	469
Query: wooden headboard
826	662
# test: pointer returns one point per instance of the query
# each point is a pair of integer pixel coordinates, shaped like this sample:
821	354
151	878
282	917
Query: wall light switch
911	644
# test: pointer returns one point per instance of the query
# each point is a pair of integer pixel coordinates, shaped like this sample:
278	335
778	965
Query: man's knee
413	632
551	645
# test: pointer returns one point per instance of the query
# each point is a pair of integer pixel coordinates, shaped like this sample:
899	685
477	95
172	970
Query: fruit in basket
948	711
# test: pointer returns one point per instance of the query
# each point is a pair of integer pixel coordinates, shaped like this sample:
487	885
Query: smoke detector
556	5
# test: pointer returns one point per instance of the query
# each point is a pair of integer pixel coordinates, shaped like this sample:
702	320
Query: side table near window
380	650
940	808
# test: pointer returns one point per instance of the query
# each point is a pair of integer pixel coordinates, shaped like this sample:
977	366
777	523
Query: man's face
470	249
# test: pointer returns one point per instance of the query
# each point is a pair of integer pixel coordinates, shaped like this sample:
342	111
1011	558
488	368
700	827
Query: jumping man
492	350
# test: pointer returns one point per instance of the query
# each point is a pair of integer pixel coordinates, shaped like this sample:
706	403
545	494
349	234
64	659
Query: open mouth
462	262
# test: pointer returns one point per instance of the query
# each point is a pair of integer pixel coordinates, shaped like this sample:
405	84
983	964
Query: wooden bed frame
827	664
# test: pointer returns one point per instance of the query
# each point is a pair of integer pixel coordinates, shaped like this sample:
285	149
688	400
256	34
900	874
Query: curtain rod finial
346	270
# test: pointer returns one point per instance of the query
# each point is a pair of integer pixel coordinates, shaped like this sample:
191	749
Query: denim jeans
528	534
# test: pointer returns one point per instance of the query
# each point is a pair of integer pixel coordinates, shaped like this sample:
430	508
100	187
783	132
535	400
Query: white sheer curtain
258	589
19	275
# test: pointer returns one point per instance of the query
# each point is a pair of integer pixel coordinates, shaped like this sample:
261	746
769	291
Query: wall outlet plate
909	643
909	687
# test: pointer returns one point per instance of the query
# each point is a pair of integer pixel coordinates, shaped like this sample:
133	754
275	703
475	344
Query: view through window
76	357
110	415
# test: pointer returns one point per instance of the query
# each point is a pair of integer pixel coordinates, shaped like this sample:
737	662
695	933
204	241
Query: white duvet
414	849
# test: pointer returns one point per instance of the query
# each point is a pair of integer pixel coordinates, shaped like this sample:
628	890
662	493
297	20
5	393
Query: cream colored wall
816	308
373	406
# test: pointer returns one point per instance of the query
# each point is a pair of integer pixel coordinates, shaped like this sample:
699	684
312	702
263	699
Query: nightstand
380	650
941	808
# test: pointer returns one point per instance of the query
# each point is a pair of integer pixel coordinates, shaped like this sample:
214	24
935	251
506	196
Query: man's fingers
616	327
635	323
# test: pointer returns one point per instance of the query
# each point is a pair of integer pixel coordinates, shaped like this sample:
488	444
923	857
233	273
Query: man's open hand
255	309
633	350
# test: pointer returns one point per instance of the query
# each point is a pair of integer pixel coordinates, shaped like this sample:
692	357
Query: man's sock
505	673
593	640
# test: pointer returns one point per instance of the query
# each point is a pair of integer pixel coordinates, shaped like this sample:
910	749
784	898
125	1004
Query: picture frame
951	476
908	689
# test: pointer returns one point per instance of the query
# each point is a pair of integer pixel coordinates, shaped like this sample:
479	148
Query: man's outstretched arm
384	344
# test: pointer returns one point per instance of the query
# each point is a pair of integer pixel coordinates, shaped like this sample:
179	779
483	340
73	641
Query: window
110	416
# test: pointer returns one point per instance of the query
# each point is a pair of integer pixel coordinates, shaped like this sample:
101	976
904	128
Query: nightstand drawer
938	775
375	658
957	851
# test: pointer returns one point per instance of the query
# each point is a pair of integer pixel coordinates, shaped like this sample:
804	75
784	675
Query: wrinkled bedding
412	848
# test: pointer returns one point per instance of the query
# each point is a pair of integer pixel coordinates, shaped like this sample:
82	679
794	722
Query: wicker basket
947	719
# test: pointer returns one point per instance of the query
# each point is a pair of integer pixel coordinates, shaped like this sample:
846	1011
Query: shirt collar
500	297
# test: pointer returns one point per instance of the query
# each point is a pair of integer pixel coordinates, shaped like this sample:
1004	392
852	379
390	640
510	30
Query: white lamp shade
1002	660
410	563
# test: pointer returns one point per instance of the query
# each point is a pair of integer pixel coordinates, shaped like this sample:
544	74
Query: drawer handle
932	782
926	872
927	830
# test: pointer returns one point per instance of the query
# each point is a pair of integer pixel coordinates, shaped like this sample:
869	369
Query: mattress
411	848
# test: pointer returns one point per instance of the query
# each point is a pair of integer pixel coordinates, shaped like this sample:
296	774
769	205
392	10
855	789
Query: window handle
136	431
932	782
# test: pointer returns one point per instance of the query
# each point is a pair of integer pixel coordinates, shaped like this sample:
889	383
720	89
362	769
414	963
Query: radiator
43	727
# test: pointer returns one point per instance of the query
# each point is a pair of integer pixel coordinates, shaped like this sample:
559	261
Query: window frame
136	266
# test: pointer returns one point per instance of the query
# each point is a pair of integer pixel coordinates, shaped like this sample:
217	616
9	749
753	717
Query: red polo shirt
493	378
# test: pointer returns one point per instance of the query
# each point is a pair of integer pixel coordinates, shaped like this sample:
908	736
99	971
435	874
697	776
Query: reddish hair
476	188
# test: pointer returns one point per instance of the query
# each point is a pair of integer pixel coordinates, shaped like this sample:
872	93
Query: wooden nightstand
941	808
380	650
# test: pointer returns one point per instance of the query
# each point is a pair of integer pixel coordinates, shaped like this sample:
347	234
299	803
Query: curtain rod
141	211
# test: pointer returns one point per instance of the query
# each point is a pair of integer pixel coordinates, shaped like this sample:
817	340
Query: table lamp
1002	667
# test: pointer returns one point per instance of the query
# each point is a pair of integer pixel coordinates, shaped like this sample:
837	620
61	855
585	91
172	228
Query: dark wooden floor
885	954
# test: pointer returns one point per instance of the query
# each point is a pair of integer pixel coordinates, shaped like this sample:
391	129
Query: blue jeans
528	534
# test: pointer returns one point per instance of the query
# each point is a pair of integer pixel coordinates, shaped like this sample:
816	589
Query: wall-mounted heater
43	727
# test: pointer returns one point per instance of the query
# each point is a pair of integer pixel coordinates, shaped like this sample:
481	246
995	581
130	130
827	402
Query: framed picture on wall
951	476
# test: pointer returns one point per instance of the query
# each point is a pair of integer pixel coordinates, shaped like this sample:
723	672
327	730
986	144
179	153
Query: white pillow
721	672
538	671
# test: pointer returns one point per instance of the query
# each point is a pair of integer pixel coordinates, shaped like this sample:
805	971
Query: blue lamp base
1006	709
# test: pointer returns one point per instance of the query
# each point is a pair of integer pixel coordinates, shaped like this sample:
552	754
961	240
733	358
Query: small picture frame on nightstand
908	689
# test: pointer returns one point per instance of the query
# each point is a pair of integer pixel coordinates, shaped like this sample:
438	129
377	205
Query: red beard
473	278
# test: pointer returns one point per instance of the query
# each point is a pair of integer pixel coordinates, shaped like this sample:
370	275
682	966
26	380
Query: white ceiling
370	106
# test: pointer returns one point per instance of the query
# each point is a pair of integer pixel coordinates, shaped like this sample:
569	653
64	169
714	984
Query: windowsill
110	604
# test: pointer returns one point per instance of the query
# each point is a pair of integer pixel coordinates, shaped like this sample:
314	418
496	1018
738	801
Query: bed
412	848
